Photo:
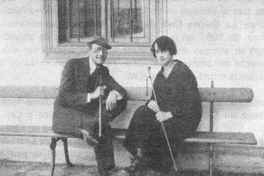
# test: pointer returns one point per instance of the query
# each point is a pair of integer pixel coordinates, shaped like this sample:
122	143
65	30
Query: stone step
42	153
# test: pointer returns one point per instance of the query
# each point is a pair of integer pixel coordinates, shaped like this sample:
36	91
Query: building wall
220	40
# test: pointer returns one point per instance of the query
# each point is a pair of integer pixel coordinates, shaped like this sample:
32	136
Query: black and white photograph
131	87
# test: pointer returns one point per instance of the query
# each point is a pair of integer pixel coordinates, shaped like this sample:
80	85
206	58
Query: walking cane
163	127
100	108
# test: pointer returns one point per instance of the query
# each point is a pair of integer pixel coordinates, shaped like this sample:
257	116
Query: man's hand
111	100
98	92
162	116
153	105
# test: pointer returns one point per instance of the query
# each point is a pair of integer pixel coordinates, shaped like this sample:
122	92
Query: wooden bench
137	96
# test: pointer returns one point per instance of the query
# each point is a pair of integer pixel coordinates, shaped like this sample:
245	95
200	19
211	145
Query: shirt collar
173	69
92	65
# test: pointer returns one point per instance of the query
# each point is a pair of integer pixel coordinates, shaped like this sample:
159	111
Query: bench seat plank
199	137
51	134
223	137
210	137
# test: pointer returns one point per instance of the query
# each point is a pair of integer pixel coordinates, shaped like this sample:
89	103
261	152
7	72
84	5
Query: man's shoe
88	138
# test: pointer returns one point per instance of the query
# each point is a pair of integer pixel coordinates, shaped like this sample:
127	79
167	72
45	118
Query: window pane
62	19
78	20
127	18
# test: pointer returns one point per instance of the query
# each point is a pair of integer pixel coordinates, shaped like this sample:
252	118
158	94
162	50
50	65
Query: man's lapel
87	65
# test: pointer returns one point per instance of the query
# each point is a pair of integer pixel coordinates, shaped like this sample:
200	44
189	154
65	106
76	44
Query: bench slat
38	92
207	94
223	137
210	137
134	93
199	137
38	134
226	94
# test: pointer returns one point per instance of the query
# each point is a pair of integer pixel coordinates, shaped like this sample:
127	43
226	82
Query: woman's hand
162	116
153	105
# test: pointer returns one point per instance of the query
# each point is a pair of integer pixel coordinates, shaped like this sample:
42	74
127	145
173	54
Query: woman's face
164	58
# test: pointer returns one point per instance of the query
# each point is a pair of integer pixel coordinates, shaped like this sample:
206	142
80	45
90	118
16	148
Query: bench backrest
134	93
207	94
223	95
210	95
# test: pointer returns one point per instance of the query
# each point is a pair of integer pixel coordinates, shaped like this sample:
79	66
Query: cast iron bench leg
211	150
66	152
53	153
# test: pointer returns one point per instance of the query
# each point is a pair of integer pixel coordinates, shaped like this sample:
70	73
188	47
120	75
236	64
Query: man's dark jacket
71	110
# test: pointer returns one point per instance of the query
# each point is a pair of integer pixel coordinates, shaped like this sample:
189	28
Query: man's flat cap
100	41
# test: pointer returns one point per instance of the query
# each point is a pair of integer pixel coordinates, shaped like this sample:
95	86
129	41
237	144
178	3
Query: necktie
98	76
94	79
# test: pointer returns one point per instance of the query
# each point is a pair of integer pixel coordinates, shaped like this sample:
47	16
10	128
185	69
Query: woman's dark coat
178	94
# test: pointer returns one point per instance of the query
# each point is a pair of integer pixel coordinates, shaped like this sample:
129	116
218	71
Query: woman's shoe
135	165
138	164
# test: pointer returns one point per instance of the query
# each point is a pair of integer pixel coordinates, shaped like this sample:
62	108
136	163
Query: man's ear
89	48
89	51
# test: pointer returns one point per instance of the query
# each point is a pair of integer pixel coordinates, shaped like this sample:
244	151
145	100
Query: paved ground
11	168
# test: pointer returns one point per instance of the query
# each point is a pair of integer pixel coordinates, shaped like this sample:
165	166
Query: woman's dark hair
164	43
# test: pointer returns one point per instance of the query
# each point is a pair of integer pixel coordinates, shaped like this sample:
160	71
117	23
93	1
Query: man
76	108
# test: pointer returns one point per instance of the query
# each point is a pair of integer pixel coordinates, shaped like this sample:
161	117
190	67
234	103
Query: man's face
163	57
98	54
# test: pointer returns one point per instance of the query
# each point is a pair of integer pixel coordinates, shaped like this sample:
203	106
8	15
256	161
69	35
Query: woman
178	107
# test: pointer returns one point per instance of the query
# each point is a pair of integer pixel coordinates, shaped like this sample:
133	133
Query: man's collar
91	65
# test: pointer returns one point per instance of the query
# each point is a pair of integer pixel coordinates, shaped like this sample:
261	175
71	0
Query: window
78	20
130	26
129	21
